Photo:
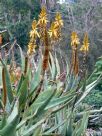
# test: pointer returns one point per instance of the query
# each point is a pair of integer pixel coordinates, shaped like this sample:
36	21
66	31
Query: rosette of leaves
53	112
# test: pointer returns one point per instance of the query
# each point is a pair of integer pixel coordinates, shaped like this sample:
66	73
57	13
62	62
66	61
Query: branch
3	31
94	26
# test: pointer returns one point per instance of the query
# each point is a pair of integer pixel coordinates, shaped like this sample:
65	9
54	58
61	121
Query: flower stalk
75	61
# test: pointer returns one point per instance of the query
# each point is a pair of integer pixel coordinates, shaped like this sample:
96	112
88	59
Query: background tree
18	16
83	16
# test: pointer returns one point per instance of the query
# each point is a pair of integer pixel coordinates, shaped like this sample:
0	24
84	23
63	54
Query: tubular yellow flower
74	39
85	46
53	31
31	48
58	20
42	22
34	33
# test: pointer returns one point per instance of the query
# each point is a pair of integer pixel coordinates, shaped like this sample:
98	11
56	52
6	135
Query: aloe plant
45	100
53	112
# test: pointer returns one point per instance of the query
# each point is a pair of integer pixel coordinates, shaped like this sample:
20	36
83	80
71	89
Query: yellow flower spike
85	46
74	39
34	33
58	20
53	31
42	22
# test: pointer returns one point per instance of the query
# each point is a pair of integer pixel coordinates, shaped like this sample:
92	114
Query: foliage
95	97
26	116
17	17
